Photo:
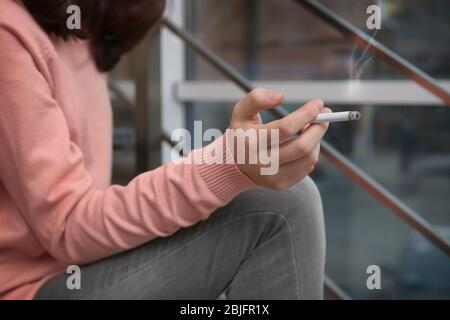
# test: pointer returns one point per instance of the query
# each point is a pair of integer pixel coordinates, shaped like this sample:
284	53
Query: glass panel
273	39
405	148
124	126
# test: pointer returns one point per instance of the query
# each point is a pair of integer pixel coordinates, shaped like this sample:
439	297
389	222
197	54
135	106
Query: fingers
293	172
257	100
302	146
296	121
296	157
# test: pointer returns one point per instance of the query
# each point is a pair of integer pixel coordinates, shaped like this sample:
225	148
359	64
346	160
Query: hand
297	155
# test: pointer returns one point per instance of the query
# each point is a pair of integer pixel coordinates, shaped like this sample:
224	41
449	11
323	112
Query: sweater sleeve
44	173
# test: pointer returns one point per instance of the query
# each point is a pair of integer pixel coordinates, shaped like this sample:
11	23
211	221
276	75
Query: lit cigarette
338	117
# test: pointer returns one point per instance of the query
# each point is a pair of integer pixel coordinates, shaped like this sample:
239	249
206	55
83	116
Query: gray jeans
263	245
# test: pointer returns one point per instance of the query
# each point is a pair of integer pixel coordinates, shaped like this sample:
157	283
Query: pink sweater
57	207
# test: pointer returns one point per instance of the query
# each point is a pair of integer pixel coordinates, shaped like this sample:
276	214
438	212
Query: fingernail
320	105
276	96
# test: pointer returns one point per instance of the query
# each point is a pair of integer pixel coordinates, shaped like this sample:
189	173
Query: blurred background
403	140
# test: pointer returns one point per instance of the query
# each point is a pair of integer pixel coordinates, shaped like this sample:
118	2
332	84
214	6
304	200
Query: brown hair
113	27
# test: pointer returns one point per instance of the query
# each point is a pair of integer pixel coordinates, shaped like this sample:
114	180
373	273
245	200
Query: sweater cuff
219	170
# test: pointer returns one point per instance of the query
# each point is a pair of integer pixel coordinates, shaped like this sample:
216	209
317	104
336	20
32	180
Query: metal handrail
121	96
333	291
404	212
378	49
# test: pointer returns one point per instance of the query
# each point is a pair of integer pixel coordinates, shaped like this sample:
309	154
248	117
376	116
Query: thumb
257	100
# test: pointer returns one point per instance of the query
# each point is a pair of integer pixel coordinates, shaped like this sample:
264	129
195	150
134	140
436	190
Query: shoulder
17	26
23	43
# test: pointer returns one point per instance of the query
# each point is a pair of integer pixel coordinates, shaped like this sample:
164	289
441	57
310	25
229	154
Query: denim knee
301	205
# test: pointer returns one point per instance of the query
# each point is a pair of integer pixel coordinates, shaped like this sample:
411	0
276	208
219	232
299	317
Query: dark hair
113	27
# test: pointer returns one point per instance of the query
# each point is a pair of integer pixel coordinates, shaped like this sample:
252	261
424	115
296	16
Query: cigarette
338	117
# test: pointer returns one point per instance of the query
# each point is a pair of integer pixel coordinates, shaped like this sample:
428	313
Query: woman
183	231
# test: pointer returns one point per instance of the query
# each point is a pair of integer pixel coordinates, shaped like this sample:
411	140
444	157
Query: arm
43	171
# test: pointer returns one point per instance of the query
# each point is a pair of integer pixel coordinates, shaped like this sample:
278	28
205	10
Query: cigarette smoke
358	61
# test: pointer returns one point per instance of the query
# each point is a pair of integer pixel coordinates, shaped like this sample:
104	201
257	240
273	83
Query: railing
388	199
378	49
404	212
